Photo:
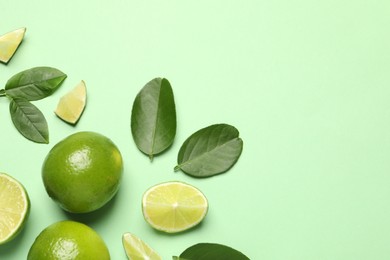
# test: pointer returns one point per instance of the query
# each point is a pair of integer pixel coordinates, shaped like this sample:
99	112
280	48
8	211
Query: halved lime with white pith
136	249
174	206
9	42
14	207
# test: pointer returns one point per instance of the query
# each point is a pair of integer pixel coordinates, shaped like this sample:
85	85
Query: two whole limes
81	173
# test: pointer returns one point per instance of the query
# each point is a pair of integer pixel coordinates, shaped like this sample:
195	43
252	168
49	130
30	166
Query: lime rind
14	212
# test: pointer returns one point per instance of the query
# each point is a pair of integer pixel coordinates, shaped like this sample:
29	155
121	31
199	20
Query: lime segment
174	206
72	104
136	249
9	42
14	207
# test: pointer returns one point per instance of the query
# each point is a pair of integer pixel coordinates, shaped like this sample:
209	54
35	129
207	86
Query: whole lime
68	240
83	172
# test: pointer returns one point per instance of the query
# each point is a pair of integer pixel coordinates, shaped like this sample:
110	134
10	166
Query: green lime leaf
29	120
153	117
210	151
211	251
35	83
9	43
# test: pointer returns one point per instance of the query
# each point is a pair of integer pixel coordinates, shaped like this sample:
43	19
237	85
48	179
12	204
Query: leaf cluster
209	151
24	87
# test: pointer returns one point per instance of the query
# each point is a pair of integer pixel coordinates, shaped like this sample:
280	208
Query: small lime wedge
9	42
174	206
72	104
136	249
14	207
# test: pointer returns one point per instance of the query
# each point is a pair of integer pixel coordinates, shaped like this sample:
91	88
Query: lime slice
174	206
9	42
136	249
14	207
71	105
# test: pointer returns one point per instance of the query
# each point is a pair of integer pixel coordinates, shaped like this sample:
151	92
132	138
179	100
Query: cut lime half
9	42
72	104
136	249
174	206
14	207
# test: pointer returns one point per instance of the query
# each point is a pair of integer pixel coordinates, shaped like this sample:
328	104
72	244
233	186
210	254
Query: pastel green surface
306	83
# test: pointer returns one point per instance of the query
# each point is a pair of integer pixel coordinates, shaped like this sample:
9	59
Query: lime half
72	104
9	42
174	206
14	207
136	249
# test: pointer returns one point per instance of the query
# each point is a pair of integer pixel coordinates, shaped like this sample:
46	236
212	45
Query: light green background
307	83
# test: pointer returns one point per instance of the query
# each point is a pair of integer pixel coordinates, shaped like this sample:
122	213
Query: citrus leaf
9	43
153	117
35	83
29	120
211	251
210	151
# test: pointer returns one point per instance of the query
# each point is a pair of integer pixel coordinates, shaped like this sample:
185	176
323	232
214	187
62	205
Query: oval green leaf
211	251
210	151
153	117
29	120
35	83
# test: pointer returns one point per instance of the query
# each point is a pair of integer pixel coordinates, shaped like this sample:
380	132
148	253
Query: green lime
83	172
14	207
68	240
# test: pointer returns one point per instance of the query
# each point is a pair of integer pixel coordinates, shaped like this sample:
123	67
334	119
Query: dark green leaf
153	117
210	151
211	251
29	121
35	83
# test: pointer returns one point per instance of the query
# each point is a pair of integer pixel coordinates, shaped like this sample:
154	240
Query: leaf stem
2	93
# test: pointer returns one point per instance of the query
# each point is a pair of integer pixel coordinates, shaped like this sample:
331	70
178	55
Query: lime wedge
71	105
136	249
9	42
14	207
174	206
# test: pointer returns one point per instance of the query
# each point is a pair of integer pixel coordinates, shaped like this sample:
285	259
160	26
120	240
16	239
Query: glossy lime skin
83	172
68	240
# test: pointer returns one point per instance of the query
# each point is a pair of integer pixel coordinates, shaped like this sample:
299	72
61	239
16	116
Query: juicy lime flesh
68	240
136	249
83	172
9	42
174	206
71	105
14	207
